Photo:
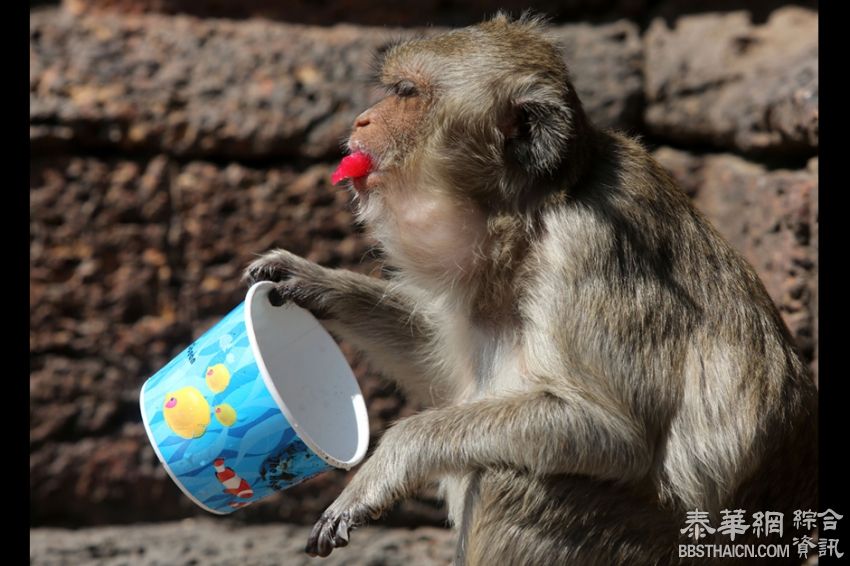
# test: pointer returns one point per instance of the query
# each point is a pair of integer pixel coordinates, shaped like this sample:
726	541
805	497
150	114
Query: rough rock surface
130	261
759	10
220	543
719	79
770	216
375	12
251	90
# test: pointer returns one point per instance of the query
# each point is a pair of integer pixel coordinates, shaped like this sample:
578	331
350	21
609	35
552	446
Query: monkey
595	359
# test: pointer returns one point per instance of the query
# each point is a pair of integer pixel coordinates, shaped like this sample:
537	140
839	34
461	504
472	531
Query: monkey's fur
597	359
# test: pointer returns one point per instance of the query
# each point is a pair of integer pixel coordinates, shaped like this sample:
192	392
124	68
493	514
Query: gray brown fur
597	359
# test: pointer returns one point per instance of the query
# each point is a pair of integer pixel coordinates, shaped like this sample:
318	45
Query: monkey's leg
527	520
367	312
535	432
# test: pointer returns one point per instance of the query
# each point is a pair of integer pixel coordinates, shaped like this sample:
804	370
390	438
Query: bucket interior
309	378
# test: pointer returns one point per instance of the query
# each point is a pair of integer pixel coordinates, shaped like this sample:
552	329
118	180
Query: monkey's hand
369	494
298	280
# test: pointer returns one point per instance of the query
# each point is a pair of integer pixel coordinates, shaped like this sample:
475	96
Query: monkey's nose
362	120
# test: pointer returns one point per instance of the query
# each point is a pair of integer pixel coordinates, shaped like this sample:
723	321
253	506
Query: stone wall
169	148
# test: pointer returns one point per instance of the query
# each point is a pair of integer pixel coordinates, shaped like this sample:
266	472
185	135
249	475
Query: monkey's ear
537	132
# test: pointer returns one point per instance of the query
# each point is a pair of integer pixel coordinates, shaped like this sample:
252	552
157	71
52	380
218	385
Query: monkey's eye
405	89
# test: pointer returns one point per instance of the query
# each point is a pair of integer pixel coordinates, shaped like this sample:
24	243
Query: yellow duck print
187	412
218	378
225	414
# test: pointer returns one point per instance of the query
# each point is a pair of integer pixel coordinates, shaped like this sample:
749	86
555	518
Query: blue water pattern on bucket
218	428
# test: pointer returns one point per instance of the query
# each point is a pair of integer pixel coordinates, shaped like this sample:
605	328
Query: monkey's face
475	122
388	132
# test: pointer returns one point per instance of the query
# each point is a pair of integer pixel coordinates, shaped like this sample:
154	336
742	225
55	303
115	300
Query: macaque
596	360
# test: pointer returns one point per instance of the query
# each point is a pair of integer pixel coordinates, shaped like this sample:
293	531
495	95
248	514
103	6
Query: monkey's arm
537	432
369	313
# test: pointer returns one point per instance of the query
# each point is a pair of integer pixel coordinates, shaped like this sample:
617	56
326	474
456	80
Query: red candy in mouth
353	166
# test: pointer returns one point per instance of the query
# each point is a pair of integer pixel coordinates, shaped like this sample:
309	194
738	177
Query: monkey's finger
258	270
312	547
326	540
287	292
276	298
299	293
341	537
268	268
251	276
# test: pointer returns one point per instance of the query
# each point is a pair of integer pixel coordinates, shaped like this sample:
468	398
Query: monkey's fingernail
276	298
341	538
325	543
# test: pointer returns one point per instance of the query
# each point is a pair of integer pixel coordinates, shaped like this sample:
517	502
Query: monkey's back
678	328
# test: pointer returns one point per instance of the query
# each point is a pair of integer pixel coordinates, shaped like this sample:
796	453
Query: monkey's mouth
360	168
366	182
355	165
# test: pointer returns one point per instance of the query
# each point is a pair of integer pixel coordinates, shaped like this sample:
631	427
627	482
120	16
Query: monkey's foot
332	529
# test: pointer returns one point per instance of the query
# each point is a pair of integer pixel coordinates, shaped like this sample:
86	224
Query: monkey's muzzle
353	166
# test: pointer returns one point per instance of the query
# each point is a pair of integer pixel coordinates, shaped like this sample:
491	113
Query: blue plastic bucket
262	401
